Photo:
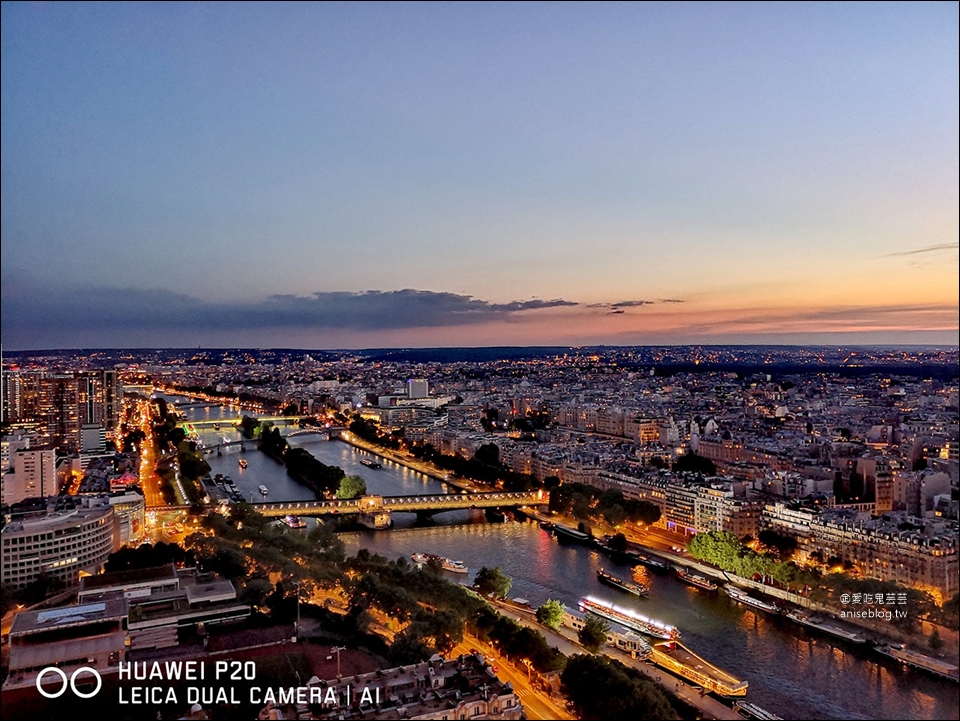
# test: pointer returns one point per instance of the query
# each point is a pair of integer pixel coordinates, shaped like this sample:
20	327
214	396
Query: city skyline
331	176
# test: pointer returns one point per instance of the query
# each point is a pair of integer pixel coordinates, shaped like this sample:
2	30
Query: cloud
631	303
849	318
927	249
27	309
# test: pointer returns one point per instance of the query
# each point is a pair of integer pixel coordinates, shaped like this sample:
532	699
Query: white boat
294	521
445	563
628	618
453	566
263	490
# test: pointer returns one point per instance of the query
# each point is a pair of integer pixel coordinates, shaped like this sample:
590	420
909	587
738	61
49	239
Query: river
791	672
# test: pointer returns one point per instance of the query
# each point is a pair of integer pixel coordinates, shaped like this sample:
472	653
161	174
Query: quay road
536	703
566	642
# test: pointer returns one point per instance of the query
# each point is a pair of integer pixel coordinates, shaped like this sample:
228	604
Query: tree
351	487
248	426
935	642
593	634
550	614
493	580
618	543
488	453
695	463
600	688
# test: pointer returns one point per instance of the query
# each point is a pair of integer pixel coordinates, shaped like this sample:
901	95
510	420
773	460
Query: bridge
396	504
220	445
236	421
374	511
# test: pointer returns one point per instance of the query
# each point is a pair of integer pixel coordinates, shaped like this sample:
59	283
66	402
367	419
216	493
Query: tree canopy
550	614
493	581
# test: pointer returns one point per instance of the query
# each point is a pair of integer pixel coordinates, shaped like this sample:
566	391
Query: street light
338	649
296	628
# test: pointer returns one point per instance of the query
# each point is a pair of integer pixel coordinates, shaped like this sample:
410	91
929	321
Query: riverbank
877	631
565	640
427	469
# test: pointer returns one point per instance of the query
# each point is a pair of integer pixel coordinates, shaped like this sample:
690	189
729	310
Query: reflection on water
792	672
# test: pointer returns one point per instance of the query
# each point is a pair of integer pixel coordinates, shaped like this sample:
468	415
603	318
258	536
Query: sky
408	175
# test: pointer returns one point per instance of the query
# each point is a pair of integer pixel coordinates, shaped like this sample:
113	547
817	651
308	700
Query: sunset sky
330	176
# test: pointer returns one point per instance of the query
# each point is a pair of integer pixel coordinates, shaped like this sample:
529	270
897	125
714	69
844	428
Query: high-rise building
34	475
418	388
64	404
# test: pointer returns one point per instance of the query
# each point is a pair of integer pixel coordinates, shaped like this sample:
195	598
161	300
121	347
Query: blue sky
342	175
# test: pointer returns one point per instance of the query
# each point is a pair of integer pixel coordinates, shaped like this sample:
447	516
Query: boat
825	626
695	579
899	652
294	521
570	533
738	594
752	711
680	660
263	490
453	566
370	464
628	618
445	563
650	562
546	525
611	580
243	462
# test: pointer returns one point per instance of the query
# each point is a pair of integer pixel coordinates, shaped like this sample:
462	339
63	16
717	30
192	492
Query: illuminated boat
680	660
294	521
628	618
445	563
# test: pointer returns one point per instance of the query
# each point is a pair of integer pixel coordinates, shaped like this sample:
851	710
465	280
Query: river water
791	672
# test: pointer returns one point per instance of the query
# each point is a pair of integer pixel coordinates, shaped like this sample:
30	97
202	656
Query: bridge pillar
376	520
